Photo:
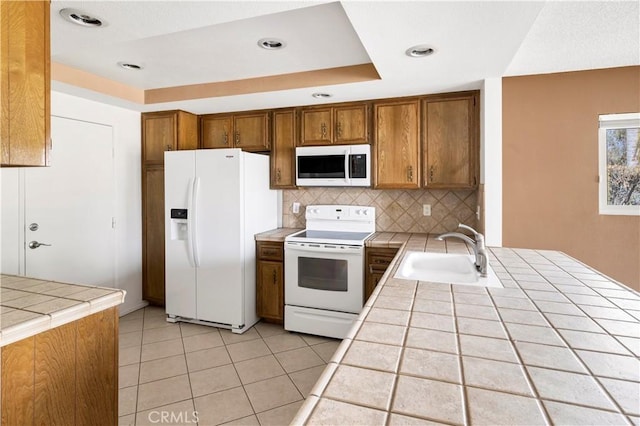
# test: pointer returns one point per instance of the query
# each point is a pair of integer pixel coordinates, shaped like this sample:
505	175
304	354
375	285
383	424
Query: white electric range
324	269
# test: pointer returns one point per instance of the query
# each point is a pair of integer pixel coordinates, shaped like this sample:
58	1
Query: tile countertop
559	344
276	235
30	306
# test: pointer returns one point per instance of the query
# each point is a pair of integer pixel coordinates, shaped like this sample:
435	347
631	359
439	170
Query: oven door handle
349	251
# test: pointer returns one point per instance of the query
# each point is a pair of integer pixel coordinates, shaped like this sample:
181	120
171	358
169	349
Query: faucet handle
468	228
478	236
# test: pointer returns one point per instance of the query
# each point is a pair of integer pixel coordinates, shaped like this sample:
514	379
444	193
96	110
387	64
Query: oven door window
323	274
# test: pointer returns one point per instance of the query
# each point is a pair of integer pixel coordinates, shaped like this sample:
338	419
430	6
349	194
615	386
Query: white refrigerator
216	200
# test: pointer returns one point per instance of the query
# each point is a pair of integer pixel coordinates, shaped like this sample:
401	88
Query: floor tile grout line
238	375
282	366
186	364
135	412
184	354
283	369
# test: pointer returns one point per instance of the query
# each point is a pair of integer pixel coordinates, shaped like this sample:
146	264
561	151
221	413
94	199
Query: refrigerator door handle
194	228
190	224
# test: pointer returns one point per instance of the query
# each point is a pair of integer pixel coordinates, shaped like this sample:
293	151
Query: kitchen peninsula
59	350
559	344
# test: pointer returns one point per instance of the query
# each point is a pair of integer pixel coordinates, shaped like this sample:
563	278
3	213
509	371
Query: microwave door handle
347	178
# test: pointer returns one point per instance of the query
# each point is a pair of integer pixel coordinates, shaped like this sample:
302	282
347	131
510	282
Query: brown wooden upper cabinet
249	131
25	103
340	125
450	141
283	166
167	131
397	144
216	131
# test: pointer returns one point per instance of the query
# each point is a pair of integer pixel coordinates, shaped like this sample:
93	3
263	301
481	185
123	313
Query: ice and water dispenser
179	227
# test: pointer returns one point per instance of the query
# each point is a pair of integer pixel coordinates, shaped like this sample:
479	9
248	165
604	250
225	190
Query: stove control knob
365	212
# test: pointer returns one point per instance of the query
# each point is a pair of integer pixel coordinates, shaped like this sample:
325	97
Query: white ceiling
184	42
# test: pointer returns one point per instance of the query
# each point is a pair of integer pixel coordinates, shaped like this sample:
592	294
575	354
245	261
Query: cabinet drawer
381	256
381	259
270	251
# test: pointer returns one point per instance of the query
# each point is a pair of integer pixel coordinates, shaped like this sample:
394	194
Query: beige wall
550	167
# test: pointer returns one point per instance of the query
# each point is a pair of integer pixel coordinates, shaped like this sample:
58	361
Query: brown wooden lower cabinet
270	281
64	376
377	262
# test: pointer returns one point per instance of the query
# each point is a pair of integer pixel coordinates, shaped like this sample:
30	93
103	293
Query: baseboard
129	309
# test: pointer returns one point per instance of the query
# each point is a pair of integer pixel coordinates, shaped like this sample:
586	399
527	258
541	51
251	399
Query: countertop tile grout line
522	365
573	351
405	336
465	396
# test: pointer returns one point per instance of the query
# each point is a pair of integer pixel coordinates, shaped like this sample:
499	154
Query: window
619	158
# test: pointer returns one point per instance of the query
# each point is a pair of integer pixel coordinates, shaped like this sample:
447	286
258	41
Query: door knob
35	244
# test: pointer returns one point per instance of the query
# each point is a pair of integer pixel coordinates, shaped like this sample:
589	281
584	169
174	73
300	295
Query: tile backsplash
396	210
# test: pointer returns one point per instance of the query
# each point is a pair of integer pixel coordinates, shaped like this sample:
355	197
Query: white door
71	203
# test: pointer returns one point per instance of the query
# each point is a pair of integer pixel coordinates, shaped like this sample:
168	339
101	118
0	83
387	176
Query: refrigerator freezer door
180	273
218	240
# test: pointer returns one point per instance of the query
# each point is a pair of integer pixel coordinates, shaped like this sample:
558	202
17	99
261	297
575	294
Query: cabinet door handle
323	130
274	276
371	269
278	175
237	137
431	173
339	129
410	173
225	139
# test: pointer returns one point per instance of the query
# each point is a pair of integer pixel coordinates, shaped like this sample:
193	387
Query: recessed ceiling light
321	95
420	51
129	66
271	43
80	18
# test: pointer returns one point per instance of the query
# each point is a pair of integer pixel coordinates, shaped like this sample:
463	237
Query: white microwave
335	165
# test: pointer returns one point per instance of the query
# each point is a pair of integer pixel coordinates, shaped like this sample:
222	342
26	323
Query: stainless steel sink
444	268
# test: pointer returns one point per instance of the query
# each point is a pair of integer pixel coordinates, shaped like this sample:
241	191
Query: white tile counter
559	344
30	306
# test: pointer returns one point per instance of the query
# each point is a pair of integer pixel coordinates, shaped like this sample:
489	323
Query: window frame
608	122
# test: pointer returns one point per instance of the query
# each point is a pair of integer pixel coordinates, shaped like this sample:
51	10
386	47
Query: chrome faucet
479	249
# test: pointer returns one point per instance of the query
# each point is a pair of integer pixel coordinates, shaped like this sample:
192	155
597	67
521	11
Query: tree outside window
620	164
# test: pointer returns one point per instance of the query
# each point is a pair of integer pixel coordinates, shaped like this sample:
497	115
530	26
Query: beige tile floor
191	374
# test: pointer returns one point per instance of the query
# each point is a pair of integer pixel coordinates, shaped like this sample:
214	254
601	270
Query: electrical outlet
295	208
426	210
